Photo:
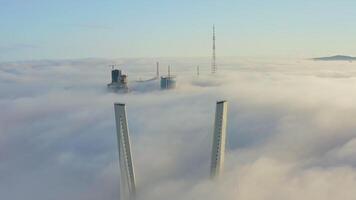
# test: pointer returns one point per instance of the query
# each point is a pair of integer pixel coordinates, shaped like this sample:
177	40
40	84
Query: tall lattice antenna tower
213	61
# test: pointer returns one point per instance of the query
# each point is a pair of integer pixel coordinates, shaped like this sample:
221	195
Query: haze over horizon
35	29
291	131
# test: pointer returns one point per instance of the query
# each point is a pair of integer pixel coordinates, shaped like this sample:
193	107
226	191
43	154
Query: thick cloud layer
291	131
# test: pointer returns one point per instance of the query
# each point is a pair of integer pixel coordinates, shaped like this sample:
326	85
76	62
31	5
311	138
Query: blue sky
38	29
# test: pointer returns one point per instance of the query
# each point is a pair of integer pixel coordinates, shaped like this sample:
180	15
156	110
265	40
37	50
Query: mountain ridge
336	58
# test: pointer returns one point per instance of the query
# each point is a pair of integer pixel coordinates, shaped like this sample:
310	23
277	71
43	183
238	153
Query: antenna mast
213	62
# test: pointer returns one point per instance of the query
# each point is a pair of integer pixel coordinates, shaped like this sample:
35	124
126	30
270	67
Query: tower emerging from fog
127	175
118	81
169	81
219	140
213	60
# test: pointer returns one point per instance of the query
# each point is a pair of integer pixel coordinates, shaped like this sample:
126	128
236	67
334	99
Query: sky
37	29
291	130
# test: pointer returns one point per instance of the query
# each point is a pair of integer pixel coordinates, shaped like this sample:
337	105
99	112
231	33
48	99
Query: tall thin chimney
157	70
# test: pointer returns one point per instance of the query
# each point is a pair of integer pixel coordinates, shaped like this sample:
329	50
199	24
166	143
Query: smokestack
157	70
169	70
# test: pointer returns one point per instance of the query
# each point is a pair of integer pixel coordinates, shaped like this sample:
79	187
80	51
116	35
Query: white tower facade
127	175
219	140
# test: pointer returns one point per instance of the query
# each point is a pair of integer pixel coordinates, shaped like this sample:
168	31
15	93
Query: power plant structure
214	68
151	79
127	174
169	81
118	80
219	140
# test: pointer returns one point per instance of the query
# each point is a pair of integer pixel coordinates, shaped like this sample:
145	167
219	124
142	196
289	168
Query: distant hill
336	58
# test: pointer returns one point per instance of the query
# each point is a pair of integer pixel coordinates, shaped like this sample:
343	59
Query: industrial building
169	81
118	81
151	79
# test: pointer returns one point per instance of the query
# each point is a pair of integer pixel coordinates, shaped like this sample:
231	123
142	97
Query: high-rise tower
169	81
118	81
127	175
219	140
213	60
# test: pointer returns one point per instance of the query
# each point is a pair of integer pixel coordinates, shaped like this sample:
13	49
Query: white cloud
291	130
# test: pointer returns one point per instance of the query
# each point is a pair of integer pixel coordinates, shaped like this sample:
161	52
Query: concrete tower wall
127	175
219	140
